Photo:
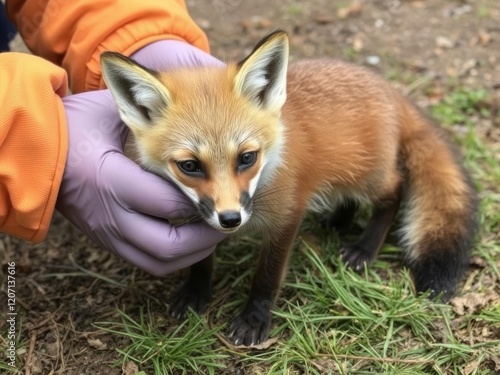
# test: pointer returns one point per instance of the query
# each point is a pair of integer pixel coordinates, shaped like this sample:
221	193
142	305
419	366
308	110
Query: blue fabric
7	30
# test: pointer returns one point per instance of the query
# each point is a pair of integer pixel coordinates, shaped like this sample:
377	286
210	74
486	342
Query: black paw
356	256
187	297
250	329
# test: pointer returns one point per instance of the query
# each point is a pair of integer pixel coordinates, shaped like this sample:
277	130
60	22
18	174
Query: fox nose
229	219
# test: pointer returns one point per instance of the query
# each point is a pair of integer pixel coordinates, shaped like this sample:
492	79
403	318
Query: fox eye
191	168
246	160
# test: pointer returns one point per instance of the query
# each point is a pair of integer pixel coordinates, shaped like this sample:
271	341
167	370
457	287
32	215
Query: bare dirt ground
420	45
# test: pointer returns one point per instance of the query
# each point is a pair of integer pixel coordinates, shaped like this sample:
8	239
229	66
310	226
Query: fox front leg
196	291
252	325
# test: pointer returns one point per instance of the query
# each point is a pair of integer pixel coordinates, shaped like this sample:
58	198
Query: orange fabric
33	143
73	33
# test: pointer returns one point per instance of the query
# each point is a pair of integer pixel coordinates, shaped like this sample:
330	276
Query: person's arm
33	143
73	34
67	151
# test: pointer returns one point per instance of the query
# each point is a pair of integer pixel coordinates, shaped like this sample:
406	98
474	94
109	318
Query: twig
225	342
380	359
60	350
51	317
30	352
418	83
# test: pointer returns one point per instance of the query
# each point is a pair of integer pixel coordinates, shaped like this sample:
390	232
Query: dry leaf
455	11
97	344
358	44
417	4
204	24
353	9
323	19
496	361
266	344
444	42
484	37
478	261
262	346
130	369
36	365
469	369
472	302
52	348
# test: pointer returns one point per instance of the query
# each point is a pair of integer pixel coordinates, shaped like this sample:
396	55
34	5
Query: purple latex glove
169	54
115	202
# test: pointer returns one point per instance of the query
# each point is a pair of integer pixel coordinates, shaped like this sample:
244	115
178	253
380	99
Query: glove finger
143	191
170	54
158	267
164	241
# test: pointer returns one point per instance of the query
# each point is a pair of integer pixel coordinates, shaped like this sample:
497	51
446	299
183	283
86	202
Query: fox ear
262	75
138	93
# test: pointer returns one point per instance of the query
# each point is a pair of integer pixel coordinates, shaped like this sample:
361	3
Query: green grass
350	53
293	9
5	367
188	347
465	107
484	12
335	321
458	106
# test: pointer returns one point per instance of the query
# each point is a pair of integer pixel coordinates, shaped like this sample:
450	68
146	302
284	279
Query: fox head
216	132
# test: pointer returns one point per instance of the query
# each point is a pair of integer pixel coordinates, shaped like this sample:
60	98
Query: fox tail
440	220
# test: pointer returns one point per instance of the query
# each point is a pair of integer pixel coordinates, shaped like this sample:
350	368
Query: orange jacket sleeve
73	33
33	143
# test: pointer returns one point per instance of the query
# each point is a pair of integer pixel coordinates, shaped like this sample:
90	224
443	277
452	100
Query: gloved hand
115	202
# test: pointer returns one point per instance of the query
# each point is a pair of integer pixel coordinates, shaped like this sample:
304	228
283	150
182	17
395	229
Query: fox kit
256	144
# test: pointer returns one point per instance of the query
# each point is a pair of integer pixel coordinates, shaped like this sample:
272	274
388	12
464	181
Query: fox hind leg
341	219
366	248
196	291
